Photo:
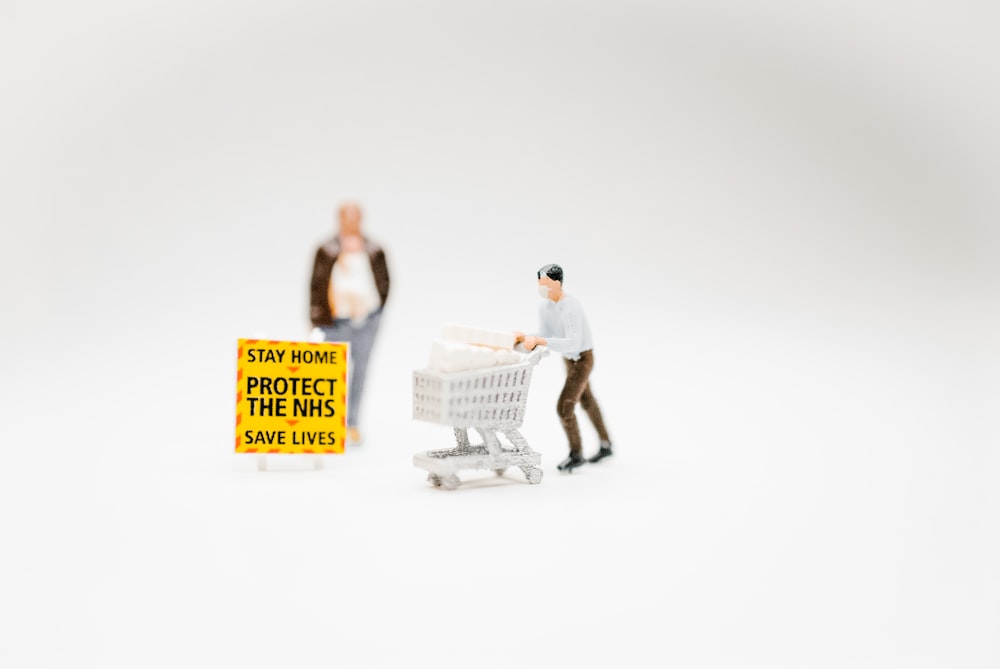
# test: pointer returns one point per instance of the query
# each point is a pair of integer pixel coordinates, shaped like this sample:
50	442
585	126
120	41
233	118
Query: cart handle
534	356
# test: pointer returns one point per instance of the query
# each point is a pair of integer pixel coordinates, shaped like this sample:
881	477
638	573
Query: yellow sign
291	397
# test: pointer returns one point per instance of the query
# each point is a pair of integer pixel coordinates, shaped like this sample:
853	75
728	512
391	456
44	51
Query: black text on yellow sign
291	397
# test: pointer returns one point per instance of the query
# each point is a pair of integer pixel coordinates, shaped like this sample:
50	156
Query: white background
781	221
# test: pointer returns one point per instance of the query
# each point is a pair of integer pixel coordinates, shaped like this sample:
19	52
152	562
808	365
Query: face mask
543	291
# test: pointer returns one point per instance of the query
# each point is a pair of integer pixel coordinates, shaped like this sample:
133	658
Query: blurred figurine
564	330
350	282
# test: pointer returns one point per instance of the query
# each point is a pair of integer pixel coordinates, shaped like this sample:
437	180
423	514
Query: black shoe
602	453
572	462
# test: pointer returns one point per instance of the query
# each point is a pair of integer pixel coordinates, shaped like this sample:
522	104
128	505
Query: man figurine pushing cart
563	329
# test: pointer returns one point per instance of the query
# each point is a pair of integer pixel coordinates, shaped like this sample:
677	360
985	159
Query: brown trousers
577	389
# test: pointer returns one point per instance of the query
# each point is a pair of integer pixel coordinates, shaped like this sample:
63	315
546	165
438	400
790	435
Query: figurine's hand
518	337
531	342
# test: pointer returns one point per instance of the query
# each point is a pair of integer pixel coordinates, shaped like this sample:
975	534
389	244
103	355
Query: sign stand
262	462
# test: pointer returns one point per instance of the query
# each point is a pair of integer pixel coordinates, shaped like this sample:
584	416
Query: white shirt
564	326
352	285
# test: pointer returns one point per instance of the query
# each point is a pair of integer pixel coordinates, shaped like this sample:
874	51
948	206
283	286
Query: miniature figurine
350	283
564	330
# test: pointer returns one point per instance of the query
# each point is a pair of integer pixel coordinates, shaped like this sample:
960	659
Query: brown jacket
320	310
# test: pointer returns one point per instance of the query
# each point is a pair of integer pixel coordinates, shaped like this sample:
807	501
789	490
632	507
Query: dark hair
554	272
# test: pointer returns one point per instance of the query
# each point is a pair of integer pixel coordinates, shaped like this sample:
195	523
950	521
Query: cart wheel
450	482
500	471
533	474
435	480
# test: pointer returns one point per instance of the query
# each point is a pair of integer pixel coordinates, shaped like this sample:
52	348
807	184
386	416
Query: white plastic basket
493	398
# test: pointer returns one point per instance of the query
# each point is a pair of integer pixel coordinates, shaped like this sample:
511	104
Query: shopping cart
490	401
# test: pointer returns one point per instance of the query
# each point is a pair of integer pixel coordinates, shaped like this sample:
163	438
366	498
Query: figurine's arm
531	341
381	272
572	321
319	287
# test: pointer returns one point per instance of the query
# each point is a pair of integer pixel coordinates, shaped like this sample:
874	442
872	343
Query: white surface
782	223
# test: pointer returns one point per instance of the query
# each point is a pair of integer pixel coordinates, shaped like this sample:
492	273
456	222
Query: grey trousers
361	337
